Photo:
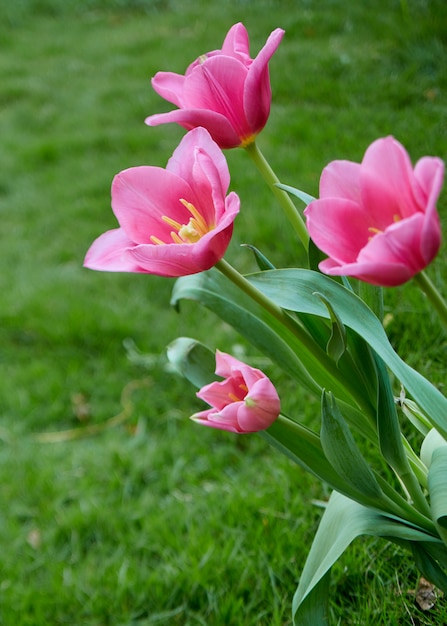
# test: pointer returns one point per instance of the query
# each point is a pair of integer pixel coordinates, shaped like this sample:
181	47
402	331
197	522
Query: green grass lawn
156	520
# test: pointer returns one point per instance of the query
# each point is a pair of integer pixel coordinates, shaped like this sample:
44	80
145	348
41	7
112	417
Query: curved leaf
437	485
193	360
342	452
343	521
428	565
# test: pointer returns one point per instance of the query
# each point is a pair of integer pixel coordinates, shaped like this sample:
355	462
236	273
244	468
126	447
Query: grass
158	521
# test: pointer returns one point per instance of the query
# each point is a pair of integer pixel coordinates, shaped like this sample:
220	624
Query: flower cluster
377	223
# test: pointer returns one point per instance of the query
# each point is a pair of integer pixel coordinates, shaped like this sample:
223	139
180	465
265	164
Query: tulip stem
426	286
355	391
282	196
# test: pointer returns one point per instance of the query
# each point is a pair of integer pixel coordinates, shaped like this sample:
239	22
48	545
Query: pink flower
225	91
245	402
377	220
173	221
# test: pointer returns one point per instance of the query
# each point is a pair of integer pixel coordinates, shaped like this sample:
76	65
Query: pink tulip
245	402
225	91
377	220
174	221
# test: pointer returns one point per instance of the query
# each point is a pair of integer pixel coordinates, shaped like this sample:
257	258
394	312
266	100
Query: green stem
416	465
402	508
415	491
425	284
282	196
302	335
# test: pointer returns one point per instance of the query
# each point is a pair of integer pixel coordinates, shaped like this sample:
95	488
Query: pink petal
183	259
236	42
341	179
109	253
199	161
338	227
169	86
265	409
398	244
181	164
389	259
212	420
226	363
217	394
216	124
388	186
429	171
142	195
375	273
257	90
218	85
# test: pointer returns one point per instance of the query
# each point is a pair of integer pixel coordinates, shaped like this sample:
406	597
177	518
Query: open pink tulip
377	220
174	221
225	91
245	402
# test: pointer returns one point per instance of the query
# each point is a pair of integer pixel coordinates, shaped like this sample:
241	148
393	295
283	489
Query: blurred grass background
159	521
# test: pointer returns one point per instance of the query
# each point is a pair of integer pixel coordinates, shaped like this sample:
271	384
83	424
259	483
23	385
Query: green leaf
302	195
342	452
336	345
437	485
314	610
193	360
388	428
314	255
428	565
413	413
261	259
293	289
343	521
372	296
304	448
431	441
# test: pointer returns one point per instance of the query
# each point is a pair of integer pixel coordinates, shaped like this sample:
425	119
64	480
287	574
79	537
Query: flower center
377	231
238	398
191	232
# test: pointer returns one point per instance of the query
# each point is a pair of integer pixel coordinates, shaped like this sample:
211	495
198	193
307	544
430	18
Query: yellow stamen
171	222
243	387
157	241
374	231
185	233
202	226
233	397
176	238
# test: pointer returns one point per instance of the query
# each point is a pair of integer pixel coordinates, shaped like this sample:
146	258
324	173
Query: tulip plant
376	225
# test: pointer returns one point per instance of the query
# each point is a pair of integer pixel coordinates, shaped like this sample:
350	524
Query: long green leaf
429	566
293	289
388	428
437	485
342	452
343	521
